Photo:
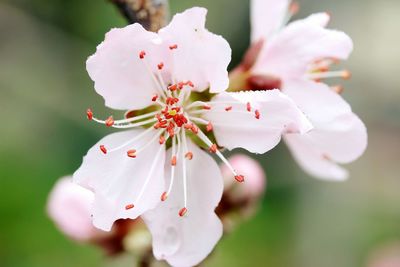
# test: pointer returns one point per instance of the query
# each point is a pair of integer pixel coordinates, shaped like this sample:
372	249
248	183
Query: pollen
239	178
129	206
89	114
164	196
248	107
131	153
257	114
182	212
172	112
173	87
103	149
154	98
110	121
160	66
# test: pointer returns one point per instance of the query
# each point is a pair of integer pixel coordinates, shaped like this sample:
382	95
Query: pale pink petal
316	100
119	74
267	17
69	206
201	56
240	128
186	241
117	179
289	53
311	158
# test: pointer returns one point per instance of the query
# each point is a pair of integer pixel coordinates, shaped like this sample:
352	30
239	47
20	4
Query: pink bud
254	185
69	206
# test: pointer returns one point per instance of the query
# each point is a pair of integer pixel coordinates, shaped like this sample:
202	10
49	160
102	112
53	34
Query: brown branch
152	14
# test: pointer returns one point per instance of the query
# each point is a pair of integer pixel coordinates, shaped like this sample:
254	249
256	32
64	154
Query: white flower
130	172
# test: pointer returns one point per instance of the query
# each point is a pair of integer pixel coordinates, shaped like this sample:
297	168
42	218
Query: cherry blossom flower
157	168
294	58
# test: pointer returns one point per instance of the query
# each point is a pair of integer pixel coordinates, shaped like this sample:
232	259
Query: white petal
202	57
309	156
267	17
119	74
240	128
117	180
316	100
186	241
289	53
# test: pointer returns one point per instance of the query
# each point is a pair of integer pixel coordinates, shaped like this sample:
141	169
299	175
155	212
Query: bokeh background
303	222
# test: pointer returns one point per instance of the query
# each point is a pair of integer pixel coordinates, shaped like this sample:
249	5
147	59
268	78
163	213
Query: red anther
129	206
142	54
188	126
248	106
294	8
189	155
229	108
174	46
172	87
173	161
194	129
161	140
89	114
109	121
337	89
103	149
180	85
131	153
207	107
213	148
171	101
164	196
209	127
190	83
160	66
257	114
346	74
182	212
239	178
154	98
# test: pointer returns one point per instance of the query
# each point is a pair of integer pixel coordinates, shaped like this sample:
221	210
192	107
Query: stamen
142	54
184	171
229	108
161	140
129	206
109	122
208	142
294	8
173	160
174	46
239	178
131	153
89	114
209	127
344	74
160	66
174	152
154	98
133	125
337	89
248	107
213	148
172	87
182	212
164	196
189	155
141	135
257	114
103	149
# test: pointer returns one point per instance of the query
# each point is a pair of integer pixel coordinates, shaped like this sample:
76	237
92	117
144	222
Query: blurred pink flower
69	206
135	69
293	58
386	256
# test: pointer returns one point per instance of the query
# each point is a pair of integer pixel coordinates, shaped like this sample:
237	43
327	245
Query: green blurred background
303	222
